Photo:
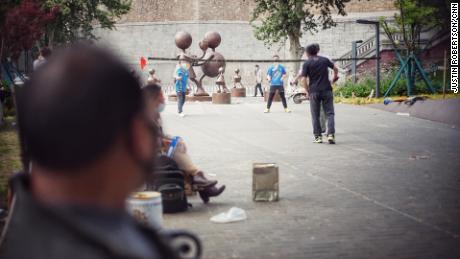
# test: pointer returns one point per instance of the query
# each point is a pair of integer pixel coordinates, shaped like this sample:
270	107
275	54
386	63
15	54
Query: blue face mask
161	107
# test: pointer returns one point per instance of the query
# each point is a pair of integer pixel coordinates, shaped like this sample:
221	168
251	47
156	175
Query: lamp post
354	55
377	55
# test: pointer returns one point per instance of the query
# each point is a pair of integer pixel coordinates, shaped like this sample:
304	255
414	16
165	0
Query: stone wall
149	29
133	41
220	10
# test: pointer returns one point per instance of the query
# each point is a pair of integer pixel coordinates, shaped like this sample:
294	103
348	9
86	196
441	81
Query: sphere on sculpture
211	68
203	45
213	38
183	40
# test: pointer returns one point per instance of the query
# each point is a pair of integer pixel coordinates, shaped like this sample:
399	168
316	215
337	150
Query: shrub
361	89
364	86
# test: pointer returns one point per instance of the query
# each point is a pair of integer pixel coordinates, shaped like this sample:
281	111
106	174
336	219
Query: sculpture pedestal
238	92
221	98
192	98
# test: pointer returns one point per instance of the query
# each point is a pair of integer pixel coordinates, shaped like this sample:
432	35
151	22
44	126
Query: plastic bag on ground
232	215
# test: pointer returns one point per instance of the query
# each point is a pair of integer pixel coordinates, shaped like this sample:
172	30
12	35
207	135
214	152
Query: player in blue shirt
181	76
275	75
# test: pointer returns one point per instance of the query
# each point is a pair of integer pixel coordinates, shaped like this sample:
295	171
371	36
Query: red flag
143	63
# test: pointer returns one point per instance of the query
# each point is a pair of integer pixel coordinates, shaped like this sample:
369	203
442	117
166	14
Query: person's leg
255	90
322	119
315	103
328	106
283	97
183	102
185	163
179	102
271	96
183	160
259	86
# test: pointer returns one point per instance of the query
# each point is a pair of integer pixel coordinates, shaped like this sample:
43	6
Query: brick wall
222	10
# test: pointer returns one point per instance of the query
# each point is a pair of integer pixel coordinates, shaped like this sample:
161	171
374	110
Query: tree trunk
295	52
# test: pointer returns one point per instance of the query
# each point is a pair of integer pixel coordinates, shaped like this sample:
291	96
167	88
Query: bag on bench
170	182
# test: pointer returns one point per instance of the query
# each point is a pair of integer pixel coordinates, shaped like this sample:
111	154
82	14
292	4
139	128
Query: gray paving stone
369	196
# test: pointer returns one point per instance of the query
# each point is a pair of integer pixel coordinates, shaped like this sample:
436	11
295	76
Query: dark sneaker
318	139
331	138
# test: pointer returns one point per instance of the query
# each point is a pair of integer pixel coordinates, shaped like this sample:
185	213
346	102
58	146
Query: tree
22	25
77	18
289	19
413	17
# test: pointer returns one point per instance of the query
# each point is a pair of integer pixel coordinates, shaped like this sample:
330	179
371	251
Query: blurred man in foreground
83	124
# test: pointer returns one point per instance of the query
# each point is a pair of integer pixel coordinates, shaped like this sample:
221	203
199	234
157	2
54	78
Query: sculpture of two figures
212	63
237	79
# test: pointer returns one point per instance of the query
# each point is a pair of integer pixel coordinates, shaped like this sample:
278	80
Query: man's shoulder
324	59
307	62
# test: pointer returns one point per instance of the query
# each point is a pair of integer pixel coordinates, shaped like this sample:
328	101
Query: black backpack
170	182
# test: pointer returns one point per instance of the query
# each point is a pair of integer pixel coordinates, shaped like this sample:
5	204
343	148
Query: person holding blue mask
275	75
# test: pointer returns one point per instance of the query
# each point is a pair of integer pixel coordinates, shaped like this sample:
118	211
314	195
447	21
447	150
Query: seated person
155	102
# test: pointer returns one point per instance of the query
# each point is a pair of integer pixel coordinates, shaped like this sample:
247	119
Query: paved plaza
389	188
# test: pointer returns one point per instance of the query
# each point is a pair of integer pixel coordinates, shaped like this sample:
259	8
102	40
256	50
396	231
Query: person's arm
336	74
302	73
178	74
283	73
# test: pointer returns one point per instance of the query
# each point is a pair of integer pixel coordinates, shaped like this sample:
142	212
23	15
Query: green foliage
361	89
364	86
289	18
77	18
413	16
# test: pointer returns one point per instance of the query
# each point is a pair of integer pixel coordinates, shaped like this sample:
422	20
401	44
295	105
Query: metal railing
367	48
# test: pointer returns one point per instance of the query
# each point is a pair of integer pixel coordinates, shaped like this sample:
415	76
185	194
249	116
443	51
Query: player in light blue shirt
181	75
275	75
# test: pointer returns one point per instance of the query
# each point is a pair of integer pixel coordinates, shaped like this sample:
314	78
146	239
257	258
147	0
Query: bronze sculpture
210	62
237	79
220	82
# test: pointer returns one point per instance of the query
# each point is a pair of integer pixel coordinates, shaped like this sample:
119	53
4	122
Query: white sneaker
182	115
267	111
287	110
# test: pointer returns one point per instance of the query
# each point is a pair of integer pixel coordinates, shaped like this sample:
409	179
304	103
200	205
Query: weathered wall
149	29
222	10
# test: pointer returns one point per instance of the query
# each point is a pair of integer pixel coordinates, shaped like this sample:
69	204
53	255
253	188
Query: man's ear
142	143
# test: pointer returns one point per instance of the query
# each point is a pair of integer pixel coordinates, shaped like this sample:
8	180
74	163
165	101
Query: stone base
191	98
221	98
238	92
277	97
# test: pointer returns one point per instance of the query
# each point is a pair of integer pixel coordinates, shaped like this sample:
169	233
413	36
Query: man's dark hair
312	49
45	52
73	109
317	46
151	90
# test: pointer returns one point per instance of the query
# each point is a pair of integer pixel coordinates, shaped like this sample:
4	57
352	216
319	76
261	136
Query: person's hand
335	79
